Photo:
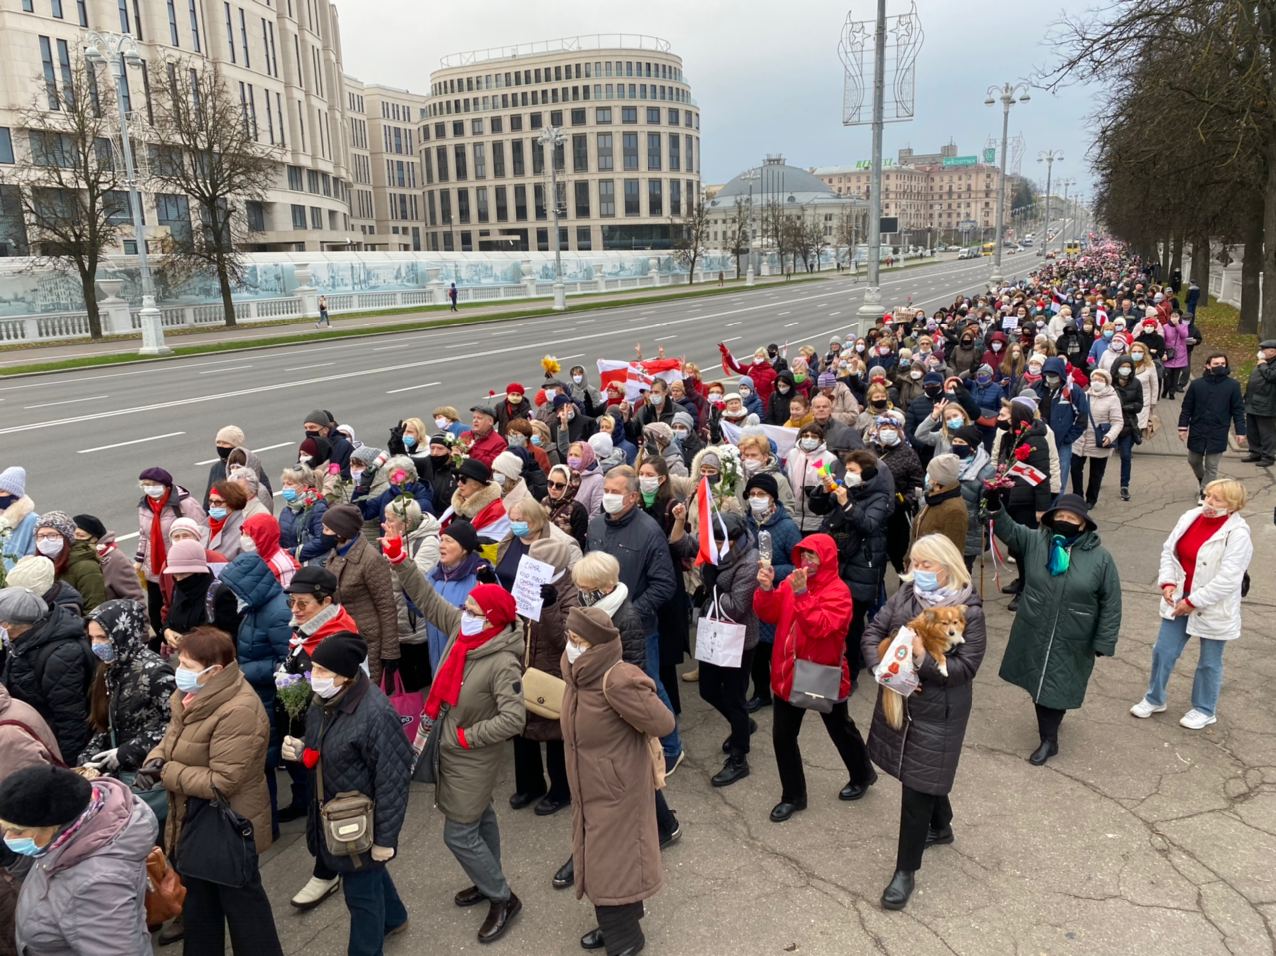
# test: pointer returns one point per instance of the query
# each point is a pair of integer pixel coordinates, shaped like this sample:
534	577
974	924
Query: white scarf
610	603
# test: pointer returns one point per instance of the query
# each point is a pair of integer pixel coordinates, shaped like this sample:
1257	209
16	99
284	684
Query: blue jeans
1065	468
375	908
1171	640
673	742
1125	448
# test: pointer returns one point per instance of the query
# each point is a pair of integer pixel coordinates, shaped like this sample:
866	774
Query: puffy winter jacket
264	630
1066	410
1105	409
178	504
139	685
1210	405
646	567
363	584
859	531
301	531
51	667
84	573
1216	578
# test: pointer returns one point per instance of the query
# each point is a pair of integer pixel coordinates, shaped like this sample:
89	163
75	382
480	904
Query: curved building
628	166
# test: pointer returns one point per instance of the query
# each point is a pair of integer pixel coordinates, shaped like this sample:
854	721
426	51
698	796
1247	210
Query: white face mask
890	437
574	652
578	379
441	423
853	478
751	466
356	476
50	547
153	491
808	444
613	504
649	485
915	374
325	687
247	544
471	624
759	506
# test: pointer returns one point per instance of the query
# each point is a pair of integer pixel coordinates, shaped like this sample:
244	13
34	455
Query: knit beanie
341	653
497	604
601	443
475	470
366	454
765	482
186	557
232	435
508	464
318	417
970	434
685	420
60	522
190	526
43	796
34	572
90	525
13	481
345	520
157	475
21	606
463	533
942	470
593	624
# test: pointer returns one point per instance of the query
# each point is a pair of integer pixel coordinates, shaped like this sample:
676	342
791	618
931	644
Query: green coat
490	709
84	573
1063	620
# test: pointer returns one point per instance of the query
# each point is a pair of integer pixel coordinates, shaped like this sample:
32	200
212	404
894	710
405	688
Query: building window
498	160
653	115
655	198
602	114
480	201
580	153
675	197
520	203
578	116
516	124
605	162
629	114
584	239
673	117
463	205
243	36
6	146
538	158
230	42
476	126
653	151
502	207
606	197
28	6
538	198
194	13
630	146
256	215
55	7
461	171
480	161
675	154
582	199
498	125
172	23
632	198
556	116
50	74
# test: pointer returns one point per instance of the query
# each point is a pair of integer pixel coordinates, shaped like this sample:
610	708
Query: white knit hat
13	480
508	464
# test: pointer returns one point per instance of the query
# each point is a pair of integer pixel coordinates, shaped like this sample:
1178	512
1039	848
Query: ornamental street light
117	50
1009	94
551	138
1049	157
1063	223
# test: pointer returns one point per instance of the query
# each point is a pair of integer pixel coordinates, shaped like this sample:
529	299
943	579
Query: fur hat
341	653
186	557
43	796
13	481
345	520
593	624
232	435
943	469
60	522
34	572
90	525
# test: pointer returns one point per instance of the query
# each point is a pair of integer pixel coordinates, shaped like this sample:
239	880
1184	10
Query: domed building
775	198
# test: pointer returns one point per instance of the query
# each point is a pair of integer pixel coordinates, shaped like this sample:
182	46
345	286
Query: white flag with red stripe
633	376
1029	474
710	553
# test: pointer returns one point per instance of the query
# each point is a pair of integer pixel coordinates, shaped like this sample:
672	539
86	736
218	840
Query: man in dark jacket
1210	405
321	424
1260	407
49	664
646	570
1064	407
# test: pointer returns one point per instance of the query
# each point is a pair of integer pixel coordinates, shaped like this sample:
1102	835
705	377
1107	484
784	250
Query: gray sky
767	75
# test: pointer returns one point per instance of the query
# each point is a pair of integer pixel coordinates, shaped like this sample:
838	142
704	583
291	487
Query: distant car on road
970	252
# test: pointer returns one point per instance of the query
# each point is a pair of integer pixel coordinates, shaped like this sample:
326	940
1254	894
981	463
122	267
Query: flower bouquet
293	692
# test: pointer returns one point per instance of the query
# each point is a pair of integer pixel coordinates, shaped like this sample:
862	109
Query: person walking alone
451	294
323	313
1210	405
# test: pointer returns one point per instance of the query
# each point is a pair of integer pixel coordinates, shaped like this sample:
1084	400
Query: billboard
889	224
990	155
961	160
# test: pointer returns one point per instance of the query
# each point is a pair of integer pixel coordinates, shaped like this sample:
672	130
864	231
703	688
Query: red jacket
487	448
762	373
811	625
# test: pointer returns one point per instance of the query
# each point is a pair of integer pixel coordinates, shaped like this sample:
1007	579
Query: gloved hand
549	595
485	574
388	669
106	761
148	776
392	548
292	748
382	854
395	445
992	499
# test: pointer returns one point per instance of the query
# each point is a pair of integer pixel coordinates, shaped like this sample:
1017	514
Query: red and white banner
1029	474
708	510
637	375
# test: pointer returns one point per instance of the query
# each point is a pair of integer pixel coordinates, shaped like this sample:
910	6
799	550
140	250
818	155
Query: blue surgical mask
217	514
1107	333
955	423
925	580
536	440
24	846
519	529
188	680
409	441
290	494
104	652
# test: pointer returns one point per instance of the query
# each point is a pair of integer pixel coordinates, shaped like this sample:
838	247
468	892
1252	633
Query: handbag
542	691
165	892
1100	431
346	821
719	640
426	768
655	752
216	844
816	686
407	705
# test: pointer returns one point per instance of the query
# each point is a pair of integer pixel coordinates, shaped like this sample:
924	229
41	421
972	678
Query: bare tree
846	235
816	240
207	149
738	231
690	246
71	192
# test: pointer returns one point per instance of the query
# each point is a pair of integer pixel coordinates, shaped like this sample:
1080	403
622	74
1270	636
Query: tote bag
407	705
719	640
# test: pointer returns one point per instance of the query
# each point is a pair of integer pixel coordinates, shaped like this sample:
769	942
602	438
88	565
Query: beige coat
1105	409
30	745
217	741
364	589
615	843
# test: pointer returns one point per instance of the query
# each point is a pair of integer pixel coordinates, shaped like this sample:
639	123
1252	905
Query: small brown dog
940	629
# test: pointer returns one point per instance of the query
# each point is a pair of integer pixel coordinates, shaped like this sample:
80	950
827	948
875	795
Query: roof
793	185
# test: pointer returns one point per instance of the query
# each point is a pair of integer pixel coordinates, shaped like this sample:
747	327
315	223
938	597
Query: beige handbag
542	692
346	820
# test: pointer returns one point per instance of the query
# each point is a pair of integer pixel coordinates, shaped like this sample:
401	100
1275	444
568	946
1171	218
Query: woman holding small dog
924	752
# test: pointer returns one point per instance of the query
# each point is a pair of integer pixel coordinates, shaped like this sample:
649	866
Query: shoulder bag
815	686
165	894
346	821
1100	431
216	844
542	691
654	750
426	768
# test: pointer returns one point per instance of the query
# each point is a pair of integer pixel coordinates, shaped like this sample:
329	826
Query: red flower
1022	452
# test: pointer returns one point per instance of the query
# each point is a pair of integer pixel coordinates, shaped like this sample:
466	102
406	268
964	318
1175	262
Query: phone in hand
764	547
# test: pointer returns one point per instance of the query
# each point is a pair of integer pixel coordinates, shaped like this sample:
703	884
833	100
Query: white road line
729	341
564	358
666	338
135	441
298	368
789	325
126	537
783	314
233	368
255	451
69	401
832	314
409	388
731	325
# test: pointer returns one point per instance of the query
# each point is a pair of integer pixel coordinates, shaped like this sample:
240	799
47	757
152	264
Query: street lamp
1009	94
1063	223
751	177
1048	156
551	138
116	49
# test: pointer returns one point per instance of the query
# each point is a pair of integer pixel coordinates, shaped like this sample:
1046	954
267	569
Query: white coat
1216	580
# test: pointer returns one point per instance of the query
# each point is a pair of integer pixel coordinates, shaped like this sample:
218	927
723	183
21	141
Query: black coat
1131	395
1025	500
859	531
363	748
637	542
51	667
923	754
1260	392
1211	404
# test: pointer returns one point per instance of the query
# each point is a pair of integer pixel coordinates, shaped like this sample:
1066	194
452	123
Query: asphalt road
84	435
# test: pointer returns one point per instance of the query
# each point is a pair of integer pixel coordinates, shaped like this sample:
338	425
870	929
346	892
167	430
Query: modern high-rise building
628	165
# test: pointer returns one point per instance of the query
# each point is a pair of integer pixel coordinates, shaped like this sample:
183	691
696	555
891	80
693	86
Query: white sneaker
1195	720
1146	708
315	892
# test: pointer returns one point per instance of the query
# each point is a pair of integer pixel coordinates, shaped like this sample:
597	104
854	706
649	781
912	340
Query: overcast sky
767	75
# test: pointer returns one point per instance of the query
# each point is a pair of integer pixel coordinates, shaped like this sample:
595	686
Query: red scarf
159	546
215	525
446	688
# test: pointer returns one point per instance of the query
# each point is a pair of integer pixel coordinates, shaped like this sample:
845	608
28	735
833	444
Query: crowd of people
518	587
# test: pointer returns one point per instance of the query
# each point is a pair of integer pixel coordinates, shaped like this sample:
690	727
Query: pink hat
190	526
186	557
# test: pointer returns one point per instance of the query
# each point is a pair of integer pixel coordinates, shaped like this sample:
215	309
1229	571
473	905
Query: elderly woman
478	500
301	518
363	581
74	562
802	470
226	503
756	458
923	754
586	475
566	513
1203	564
246	478
477	700
610	713
163	502
1106	420
529	523
1069	610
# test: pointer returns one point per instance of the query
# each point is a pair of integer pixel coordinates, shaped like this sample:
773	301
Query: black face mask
878	403
932	390
223	453
963	451
1065	529
315	435
1220	371
772	352
5	502
1003	425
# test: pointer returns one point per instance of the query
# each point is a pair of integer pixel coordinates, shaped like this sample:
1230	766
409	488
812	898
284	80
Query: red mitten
392	548
309	758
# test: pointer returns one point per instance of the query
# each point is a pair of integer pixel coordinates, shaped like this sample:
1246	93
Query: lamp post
117	49
1063	223
751	177
1049	157
551	138
1009	94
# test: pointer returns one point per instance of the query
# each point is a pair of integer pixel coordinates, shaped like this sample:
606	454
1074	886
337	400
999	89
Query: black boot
499	916
753	729
1043	753
897	892
736	768
565	876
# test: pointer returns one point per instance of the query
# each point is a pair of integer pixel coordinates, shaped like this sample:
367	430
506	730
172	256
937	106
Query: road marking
233	368
69	401
255	451
564	358
731	325
298	368
409	388
789	325
135	441
782	314
736	339
666	338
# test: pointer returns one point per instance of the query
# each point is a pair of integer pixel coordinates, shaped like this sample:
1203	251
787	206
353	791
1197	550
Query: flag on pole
634	376
708	510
